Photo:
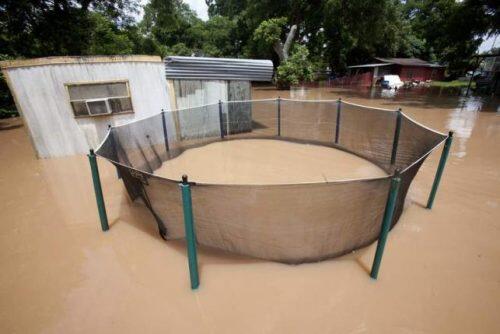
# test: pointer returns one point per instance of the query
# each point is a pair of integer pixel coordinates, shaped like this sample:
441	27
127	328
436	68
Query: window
104	98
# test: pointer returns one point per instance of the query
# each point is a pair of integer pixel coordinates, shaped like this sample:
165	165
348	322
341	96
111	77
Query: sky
488	44
200	7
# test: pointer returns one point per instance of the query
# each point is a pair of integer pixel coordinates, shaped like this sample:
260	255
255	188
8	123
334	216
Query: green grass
454	83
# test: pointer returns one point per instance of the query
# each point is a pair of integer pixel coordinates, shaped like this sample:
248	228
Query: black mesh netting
289	223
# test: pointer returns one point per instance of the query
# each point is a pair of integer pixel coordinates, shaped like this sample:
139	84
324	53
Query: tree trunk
283	49
278	48
288	41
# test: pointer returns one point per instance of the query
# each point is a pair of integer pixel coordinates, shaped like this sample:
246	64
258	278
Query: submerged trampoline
292	223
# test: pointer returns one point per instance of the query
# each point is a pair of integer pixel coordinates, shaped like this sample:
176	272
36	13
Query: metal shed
197	81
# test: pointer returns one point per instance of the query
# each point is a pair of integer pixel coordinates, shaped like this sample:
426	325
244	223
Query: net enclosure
290	223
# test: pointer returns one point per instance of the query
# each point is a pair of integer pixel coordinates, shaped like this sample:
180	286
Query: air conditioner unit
98	107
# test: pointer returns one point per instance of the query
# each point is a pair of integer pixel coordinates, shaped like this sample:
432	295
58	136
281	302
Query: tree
270	31
347	32
358	30
179	49
336	32
7	108
296	69
168	21
174	25
248	15
452	31
107	39
216	37
33	28
38	28
228	8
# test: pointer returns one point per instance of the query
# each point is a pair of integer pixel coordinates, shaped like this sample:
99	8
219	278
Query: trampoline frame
185	189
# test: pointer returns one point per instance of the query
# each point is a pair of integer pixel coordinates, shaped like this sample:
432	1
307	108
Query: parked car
391	81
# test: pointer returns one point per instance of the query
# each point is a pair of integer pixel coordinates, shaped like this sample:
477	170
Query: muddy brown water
264	161
440	272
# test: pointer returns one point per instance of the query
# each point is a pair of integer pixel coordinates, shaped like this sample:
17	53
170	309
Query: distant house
408	69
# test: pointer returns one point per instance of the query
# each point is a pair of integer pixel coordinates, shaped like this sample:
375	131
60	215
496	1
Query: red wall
408	73
363	80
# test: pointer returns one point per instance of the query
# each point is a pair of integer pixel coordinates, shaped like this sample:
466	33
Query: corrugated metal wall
195	93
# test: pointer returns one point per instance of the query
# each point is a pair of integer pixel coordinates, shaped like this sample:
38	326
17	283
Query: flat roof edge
370	65
62	60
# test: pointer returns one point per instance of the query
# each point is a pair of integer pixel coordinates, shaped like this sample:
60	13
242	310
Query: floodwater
264	161
440	272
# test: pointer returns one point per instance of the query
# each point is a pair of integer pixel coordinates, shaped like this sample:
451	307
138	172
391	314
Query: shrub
296	69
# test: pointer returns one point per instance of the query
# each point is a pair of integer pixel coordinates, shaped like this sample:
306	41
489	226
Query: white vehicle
391	82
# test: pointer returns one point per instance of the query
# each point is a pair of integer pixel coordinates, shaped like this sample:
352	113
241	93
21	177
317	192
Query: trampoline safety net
290	223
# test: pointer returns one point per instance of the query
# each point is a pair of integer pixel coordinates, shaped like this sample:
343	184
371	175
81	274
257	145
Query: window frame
106	99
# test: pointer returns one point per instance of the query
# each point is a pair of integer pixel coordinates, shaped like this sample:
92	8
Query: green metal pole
221	120
190	234
101	207
337	124
395	142
440	169
386	223
165	133
279	115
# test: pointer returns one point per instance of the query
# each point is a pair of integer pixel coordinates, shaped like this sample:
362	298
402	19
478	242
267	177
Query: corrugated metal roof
408	62
177	67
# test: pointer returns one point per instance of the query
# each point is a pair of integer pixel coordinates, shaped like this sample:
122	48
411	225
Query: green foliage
296	69
179	49
337	33
168	20
35	28
38	28
7	107
107	39
451	31
216	37
352	32
454	83
358	30
270	31
8	113
173	24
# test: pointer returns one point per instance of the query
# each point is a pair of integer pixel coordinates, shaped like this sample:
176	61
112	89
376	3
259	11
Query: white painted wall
44	101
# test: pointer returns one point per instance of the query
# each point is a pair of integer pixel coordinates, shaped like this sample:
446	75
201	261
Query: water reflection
447	108
384	93
298	93
422	97
462	120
